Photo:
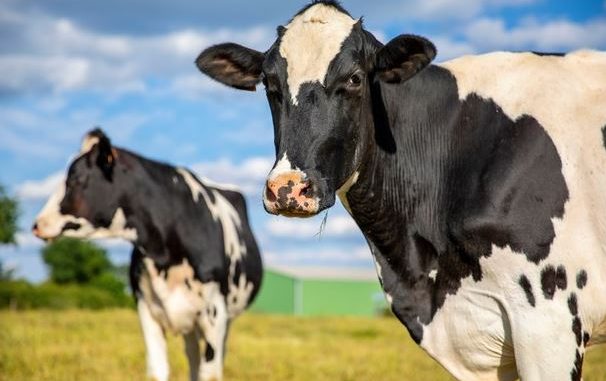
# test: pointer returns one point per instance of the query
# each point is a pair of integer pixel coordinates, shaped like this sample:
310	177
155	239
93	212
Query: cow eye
354	81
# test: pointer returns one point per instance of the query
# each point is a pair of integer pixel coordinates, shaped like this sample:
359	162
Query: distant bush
9	212
72	260
22	295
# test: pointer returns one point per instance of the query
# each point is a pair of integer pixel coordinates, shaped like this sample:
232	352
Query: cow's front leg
213	320
155	344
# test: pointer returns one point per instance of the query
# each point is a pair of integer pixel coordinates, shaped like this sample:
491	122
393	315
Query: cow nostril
306	190
35	227
269	194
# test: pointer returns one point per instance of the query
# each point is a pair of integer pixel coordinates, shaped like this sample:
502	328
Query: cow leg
192	350
546	346
155	344
213	320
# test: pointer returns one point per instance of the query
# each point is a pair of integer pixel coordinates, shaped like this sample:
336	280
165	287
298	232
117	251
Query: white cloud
55	55
448	49
195	86
253	132
336	226
40	189
493	34
249	174
433	10
50	130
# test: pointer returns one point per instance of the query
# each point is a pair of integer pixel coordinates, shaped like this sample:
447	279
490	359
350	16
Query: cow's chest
174	296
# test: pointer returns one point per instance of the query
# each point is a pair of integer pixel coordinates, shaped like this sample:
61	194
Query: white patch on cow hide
284	166
342	192
174	298
224	212
378	268
222	186
238	295
389	298
214	327
432	274
311	41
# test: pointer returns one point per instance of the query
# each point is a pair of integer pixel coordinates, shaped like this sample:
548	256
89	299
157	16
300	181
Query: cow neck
398	201
149	211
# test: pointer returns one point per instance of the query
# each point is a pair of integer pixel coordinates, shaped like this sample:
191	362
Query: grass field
107	345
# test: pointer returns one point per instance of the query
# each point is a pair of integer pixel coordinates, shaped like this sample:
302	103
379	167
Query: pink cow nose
290	195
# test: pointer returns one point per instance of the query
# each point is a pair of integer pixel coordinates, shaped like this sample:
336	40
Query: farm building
320	291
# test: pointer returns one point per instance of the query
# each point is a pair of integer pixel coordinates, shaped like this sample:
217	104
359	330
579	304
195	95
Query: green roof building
320	291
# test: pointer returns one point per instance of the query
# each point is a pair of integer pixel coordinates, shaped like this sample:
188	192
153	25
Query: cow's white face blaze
310	43
320	77
86	204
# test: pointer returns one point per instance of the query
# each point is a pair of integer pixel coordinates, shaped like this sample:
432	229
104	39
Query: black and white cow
195	264
479	183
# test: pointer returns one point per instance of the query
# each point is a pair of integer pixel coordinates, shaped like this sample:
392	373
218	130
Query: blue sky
128	67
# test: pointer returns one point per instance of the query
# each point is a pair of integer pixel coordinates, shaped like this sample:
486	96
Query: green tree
73	260
9	212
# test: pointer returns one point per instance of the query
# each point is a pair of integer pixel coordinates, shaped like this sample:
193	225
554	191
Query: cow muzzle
290	194
39	229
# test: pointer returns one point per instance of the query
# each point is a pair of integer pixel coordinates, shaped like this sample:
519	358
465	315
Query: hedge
22	295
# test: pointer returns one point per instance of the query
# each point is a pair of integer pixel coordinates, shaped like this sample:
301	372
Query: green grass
107	345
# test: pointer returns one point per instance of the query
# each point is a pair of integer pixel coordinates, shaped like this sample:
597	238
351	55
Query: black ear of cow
106	159
233	65
403	57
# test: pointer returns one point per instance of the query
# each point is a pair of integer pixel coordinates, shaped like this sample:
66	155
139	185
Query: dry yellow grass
107	345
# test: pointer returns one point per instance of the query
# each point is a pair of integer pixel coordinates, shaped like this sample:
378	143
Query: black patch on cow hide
604	136
572	304
209	354
577	369
561	280
71	226
577	330
548	281
527	287
581	279
586	338
549	54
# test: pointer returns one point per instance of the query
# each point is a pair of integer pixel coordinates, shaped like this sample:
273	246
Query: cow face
320	76
86	205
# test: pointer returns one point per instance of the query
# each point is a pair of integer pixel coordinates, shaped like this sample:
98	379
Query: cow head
87	205
319	76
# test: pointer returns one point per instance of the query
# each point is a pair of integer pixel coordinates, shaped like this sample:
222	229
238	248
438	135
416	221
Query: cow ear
103	153
403	57
233	65
106	160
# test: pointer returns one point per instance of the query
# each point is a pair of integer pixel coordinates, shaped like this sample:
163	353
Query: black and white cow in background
195	264
479	183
